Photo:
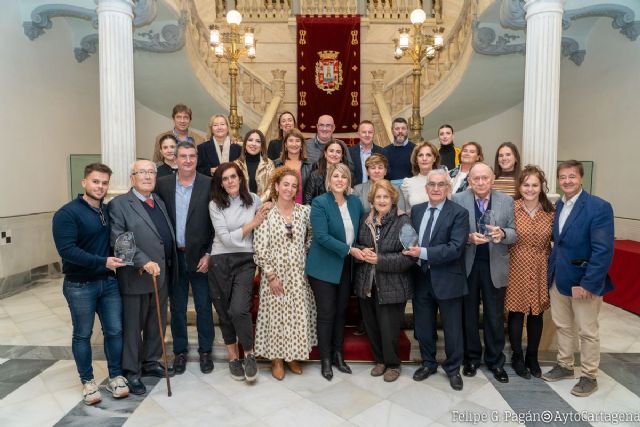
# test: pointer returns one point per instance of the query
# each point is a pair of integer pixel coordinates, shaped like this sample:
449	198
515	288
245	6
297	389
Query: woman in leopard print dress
286	324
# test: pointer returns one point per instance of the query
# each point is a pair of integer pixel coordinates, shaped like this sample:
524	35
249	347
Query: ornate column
117	98
542	86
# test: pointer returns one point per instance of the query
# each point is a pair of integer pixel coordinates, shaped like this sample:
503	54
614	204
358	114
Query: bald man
315	146
144	214
487	267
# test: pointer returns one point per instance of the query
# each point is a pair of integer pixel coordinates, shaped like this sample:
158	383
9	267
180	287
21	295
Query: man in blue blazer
440	279
487	267
578	265
361	152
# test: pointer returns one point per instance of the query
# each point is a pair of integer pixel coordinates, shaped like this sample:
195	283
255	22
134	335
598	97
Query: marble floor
39	385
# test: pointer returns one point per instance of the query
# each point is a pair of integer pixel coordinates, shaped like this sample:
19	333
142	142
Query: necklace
287	218
531	212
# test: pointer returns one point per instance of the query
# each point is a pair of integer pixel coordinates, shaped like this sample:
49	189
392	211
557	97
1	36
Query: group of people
319	221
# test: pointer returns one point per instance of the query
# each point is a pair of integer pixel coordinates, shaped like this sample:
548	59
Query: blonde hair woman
219	148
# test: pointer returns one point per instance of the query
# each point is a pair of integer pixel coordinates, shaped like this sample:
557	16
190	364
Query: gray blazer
128	214
502	206
362	191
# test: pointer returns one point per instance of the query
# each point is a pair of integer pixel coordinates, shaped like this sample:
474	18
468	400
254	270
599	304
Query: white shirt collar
572	200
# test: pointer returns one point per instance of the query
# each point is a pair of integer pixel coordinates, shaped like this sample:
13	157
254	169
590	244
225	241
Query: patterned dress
527	290
286	325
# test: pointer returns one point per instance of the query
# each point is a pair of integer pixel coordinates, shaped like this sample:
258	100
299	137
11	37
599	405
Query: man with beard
81	233
399	153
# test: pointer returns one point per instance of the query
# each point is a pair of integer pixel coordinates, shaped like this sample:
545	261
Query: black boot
517	363
338	362
531	362
326	370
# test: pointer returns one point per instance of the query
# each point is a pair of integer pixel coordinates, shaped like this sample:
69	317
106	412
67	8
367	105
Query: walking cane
164	351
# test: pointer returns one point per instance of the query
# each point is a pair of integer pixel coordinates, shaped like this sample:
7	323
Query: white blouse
414	190
349	232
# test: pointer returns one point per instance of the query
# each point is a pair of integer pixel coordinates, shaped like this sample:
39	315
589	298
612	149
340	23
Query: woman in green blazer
335	218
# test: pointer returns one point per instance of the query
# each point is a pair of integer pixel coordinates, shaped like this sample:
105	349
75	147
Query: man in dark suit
487	267
186	196
145	215
361	152
439	279
578	265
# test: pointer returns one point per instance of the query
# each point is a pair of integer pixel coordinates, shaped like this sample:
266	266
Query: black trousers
480	284
331	305
231	288
141	337
425	311
382	323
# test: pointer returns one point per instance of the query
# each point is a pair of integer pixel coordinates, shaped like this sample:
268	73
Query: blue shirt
423	225
183	197
364	155
140	196
188	138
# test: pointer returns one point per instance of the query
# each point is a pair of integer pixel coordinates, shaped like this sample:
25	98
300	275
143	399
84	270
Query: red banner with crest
328	71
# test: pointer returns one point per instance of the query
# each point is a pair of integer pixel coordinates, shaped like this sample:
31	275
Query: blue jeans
178	297
85	299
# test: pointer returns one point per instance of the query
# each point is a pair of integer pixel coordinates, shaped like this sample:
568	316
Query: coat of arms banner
328	71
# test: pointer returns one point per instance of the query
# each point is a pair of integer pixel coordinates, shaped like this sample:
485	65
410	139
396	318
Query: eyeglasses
187	156
150	172
289	228
433	185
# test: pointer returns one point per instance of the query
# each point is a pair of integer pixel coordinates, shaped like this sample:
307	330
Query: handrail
385	116
268	119
253	90
456	40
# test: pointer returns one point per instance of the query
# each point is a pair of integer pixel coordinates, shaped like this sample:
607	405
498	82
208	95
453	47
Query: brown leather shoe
277	369
295	367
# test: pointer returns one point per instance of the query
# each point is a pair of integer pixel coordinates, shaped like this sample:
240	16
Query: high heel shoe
338	362
326	370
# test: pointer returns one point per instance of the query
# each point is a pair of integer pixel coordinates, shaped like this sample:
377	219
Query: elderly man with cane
145	284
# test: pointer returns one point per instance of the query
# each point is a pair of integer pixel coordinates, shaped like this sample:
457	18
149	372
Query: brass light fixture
419	46
232	45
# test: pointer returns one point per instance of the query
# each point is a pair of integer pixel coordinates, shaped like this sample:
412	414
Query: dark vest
163	228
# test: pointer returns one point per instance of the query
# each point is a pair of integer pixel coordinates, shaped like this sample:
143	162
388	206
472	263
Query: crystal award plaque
408	236
486	223
125	248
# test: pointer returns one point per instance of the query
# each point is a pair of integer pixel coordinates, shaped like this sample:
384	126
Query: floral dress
286	324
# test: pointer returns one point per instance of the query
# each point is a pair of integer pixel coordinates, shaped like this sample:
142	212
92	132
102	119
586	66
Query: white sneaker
91	393
118	387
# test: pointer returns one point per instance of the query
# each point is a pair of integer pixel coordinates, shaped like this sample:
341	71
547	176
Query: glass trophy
125	248
487	223
408	236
